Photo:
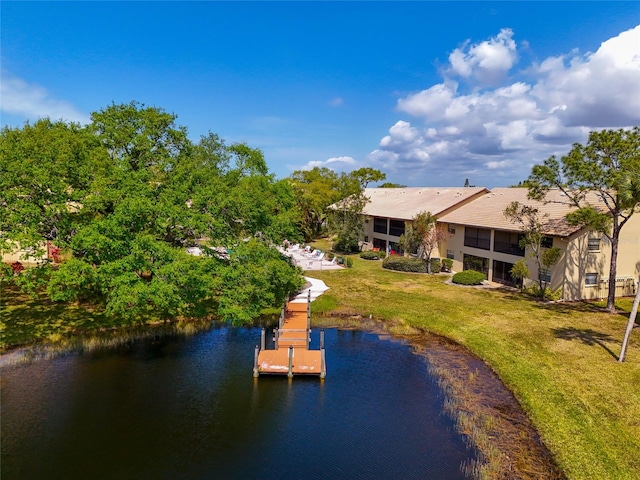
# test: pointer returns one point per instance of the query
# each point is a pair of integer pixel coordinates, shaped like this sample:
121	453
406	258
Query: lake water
189	408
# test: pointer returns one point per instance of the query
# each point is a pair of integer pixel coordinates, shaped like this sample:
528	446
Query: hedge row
405	264
371	255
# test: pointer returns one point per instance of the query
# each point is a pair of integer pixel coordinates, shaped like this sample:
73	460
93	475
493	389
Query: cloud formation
34	101
337	164
487	120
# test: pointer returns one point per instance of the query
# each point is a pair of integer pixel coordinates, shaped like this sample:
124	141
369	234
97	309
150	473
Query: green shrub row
468	277
436	265
371	255
447	263
405	264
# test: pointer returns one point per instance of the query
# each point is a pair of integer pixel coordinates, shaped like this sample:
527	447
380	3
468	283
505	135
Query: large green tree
315	190
126	195
608	166
45	170
318	188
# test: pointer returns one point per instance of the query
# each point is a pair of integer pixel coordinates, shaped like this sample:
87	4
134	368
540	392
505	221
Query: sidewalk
317	288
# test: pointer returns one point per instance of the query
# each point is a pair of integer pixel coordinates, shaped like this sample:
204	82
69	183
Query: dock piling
290	374
256	372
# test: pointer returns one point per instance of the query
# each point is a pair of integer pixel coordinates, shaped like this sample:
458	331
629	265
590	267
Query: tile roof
487	211
406	203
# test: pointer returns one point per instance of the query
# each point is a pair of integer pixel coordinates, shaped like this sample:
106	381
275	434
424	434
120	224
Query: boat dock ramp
291	355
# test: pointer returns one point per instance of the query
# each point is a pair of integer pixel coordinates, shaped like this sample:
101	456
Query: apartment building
481	238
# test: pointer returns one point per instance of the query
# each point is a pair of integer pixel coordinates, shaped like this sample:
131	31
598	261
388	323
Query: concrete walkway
317	288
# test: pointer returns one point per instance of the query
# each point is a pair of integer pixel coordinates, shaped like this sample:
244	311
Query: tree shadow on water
587	336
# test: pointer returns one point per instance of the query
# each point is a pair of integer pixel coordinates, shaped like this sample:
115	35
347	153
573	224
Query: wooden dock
291	355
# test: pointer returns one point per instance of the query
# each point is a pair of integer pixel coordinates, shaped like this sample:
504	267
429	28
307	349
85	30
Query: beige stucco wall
455	243
629	248
19	255
580	261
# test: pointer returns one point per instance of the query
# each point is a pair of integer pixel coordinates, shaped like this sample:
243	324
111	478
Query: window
477	237
451	254
502	274
591	279
546	242
380	244
545	276
508	242
593	244
366	238
451	229
396	227
380	225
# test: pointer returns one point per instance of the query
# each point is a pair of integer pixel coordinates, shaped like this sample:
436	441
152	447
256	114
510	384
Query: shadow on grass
587	336
569	307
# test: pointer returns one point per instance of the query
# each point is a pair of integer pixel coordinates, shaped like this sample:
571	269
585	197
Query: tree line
124	196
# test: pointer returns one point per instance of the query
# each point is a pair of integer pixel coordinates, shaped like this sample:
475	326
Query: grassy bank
558	359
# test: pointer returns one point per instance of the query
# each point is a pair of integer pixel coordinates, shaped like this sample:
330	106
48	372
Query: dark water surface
177	407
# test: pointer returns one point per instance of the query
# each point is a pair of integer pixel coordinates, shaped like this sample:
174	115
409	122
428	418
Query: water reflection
190	408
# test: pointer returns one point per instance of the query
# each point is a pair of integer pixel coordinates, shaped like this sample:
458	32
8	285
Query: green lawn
558	359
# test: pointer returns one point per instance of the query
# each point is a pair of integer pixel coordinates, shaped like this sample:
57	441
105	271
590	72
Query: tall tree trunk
611	295
632	321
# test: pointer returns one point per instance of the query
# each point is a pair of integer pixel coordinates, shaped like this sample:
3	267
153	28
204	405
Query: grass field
560	360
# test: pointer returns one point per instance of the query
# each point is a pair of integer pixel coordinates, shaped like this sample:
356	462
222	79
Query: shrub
405	264
371	255
348	262
436	265
6	272
468	277
533	289
447	263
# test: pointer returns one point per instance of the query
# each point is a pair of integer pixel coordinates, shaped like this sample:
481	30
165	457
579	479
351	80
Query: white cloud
597	90
503	129
32	101
337	164
487	62
430	104
493	165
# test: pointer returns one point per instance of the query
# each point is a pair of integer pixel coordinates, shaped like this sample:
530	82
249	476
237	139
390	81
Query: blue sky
431	93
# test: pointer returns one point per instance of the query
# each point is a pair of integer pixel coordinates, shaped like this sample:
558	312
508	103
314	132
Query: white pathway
317	288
